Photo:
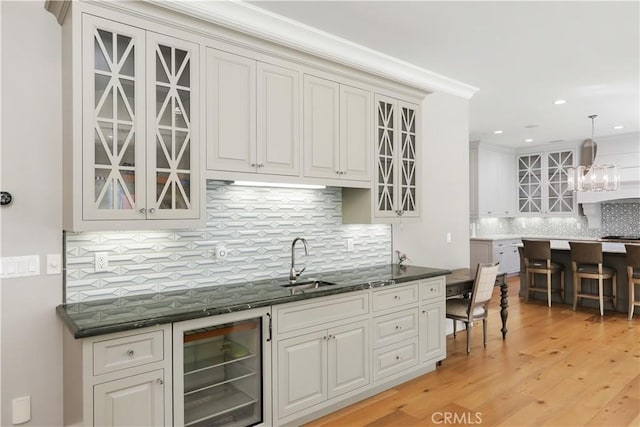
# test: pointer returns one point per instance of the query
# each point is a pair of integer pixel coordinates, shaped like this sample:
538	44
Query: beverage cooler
222	370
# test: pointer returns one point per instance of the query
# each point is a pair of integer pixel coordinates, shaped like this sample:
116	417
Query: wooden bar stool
586	263
633	274
537	260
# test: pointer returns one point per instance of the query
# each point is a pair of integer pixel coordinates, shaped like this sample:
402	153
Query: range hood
623	151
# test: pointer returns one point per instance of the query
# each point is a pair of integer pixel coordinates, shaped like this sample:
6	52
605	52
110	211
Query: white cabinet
432	316
542	183
504	251
321	365
492	181
337	130
133	401
120	379
252	115
138	155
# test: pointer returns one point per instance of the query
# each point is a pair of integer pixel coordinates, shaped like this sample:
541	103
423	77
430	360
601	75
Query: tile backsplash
256	226
618	218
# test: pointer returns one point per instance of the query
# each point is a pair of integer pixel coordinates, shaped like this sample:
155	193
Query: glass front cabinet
542	183
396	191
140	136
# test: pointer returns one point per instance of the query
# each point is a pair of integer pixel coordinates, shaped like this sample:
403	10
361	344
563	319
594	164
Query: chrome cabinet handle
160	381
398	327
260	165
398	358
130	353
152	210
253	165
396	297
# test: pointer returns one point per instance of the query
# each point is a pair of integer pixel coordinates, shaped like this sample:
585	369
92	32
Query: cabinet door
506	184
302	372
348	358
173	169
559	198
488	182
321	128
407	166
385	183
113	126
355	133
278	121
138	400
530	183
432	339
231	112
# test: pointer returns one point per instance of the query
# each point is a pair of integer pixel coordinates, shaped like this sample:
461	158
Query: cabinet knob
160	381
260	165
325	338
152	210
143	210
130	353
253	165
398	358
424	311
396	297
398	327
337	172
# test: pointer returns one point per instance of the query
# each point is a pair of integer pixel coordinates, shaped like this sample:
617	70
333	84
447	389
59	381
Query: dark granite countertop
91	318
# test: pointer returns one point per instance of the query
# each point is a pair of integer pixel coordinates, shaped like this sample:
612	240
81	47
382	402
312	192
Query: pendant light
594	177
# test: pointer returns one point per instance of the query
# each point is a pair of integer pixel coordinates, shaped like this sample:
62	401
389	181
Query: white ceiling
521	55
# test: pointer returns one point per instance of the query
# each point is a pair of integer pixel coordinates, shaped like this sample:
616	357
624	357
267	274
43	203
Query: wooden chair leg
614	286
454	327
528	284
600	296
576	284
631	293
484	332
562	286
468	337
549	288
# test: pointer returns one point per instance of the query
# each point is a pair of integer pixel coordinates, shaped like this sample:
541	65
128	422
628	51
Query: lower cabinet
432	337
504	251
132	401
321	365
121	379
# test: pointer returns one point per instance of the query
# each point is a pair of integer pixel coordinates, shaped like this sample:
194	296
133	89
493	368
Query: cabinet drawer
432	288
395	327
305	315
395	297
127	352
395	358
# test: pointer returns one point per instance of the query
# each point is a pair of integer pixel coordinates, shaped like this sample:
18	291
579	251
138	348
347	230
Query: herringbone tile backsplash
256	226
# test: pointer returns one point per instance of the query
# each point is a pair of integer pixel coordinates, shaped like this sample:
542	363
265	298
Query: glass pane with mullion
184	185
103	179
103	146
163	185
163	148
184	79
183	140
103	57
126	145
163	105
183	108
163	68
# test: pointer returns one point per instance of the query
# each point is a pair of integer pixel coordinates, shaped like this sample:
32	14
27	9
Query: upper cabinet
337	130
395	194
139	127
542	183
492	181
252	116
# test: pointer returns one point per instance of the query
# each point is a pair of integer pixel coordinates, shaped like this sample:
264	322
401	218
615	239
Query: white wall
31	350
445	188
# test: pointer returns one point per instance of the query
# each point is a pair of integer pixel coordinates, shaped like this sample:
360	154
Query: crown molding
246	18
58	8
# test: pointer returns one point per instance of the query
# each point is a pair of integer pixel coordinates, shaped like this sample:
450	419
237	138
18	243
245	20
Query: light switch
21	410
54	264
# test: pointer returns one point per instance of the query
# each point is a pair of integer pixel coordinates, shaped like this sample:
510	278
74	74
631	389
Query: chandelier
595	177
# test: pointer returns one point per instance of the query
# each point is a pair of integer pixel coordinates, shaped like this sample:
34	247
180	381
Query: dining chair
633	274
586	263
476	307
537	260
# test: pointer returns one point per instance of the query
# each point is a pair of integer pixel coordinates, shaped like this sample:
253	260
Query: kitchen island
614	256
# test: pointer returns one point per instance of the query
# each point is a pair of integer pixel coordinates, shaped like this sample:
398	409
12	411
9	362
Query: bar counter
614	256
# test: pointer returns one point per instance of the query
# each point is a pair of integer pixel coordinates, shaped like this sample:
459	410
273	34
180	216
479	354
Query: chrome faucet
293	274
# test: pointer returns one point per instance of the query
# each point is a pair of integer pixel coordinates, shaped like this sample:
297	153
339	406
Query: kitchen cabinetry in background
504	251
542	183
135	160
492	179
119	379
241	92
396	186
337	130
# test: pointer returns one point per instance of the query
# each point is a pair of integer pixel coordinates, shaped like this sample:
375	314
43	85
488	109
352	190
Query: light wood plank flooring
556	368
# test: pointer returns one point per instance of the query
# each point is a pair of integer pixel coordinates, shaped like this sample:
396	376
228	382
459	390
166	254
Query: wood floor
556	368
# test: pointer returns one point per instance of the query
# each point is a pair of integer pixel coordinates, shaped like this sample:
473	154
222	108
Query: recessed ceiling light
497	132
618	127
559	101
528	140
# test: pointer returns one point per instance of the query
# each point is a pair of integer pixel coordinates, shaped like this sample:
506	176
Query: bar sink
308	284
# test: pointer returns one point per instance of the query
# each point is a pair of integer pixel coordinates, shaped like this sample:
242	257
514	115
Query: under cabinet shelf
213	362
216	377
213	403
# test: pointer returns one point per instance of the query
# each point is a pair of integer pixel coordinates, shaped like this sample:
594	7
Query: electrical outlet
101	262
349	245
